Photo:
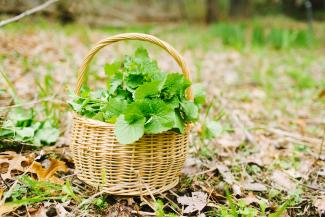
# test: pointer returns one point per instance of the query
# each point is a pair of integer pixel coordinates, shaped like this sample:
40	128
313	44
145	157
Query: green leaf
114	83
116	106
25	132
135	80
6	132
160	122
280	210
75	106
148	89
46	136
212	129
179	122
190	110
175	84
111	69
100	94
173	102
127	133
199	94
99	116
161	116
133	112
21	117
141	53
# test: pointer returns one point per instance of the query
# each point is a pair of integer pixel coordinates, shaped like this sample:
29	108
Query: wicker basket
149	166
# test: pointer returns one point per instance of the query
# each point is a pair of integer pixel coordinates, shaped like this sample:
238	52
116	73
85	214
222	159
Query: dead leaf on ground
4	209
226	174
236	189
321	172
192	166
282	181
119	209
62	212
251	198
320	205
231	140
253	186
40	212
11	161
266	155
1	193
48	174
196	202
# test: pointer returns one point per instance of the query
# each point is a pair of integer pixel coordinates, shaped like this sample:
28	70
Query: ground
257	149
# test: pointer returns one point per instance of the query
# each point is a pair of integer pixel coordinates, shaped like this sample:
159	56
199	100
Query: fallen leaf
11	161
195	203
302	171
192	166
119	209
320	205
62	212
321	172
48	174
282	181
236	189
40	212
231	140
1	193
251	198
6	208
226	174
253	186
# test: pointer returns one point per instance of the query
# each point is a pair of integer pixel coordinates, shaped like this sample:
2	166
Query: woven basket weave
151	165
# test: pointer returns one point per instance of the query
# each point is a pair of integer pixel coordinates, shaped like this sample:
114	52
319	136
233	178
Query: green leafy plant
139	99
21	125
30	191
159	210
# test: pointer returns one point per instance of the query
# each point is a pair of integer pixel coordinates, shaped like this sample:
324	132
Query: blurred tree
211	11
297	8
239	8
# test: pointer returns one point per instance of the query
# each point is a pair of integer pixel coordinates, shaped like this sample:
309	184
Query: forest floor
257	150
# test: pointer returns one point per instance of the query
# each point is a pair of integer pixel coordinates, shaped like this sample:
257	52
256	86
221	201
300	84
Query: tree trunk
239	8
211	11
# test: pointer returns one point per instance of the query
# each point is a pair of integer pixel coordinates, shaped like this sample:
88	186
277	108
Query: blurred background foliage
121	12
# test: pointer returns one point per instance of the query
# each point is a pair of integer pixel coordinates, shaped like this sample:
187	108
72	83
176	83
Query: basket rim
96	123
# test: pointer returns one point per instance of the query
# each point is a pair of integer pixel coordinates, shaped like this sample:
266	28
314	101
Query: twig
206	171
173	204
293	135
28	12
321	146
4	182
143	213
87	201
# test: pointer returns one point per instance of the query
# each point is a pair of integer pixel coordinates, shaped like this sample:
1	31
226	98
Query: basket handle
132	36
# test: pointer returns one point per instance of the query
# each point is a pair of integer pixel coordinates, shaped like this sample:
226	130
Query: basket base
123	191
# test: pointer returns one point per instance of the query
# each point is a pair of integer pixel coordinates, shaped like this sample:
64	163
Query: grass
269	73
